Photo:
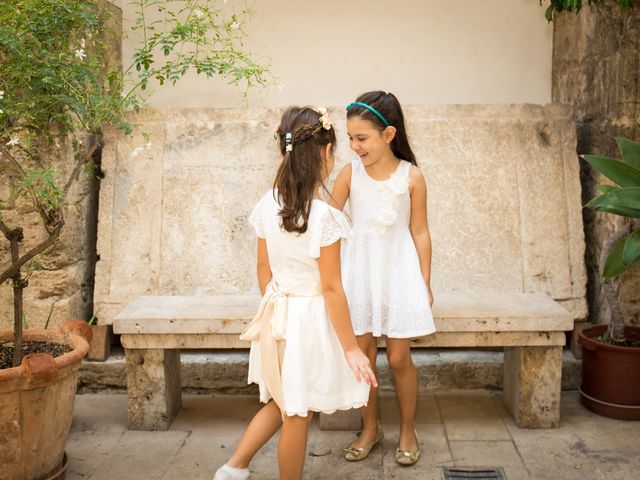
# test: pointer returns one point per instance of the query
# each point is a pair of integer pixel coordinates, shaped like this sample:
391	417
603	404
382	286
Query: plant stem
15	237
17	264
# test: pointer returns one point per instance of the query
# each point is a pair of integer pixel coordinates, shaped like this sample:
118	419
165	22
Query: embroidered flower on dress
397	184
386	216
385	213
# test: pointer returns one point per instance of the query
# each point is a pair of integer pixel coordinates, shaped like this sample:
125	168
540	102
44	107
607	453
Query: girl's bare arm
338	310
341	188
263	267
419	225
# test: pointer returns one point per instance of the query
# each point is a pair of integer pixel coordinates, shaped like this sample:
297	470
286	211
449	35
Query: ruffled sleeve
333	226
256	218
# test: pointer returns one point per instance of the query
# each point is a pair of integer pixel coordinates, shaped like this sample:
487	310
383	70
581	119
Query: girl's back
293	257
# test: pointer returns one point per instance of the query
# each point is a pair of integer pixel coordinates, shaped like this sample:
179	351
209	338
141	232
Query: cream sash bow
269	326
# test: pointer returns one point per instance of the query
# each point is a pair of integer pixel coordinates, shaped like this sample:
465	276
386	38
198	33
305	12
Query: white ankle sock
225	472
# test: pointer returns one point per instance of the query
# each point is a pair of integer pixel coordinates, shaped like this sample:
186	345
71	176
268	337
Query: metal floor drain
473	473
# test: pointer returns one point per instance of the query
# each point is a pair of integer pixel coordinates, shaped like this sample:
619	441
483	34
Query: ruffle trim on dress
332	226
314	408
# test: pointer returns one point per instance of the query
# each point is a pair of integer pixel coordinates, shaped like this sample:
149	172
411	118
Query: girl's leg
406	380
369	345
261	428
293	446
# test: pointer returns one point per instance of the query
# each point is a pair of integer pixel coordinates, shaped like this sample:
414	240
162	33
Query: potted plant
611	353
59	88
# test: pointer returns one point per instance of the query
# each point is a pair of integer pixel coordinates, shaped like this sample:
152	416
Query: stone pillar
531	387
596	70
153	387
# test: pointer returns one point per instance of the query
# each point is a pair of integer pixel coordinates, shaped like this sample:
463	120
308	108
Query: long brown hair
389	107
302	137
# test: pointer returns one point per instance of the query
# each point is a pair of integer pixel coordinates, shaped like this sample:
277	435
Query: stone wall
67	275
596	70
504	201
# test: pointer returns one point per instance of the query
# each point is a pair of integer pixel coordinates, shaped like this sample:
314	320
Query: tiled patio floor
460	428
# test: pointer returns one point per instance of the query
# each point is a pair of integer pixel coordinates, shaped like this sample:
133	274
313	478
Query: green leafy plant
621	251
557	6
59	88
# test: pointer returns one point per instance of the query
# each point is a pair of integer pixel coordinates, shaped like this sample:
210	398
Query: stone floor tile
426	412
471	416
485	453
141	455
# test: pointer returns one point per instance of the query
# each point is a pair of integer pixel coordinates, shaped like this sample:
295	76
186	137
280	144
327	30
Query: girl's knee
399	361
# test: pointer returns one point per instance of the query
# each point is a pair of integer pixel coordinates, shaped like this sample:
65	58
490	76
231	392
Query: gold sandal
407	457
354	454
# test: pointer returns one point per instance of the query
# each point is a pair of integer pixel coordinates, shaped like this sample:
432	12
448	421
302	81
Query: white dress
314	372
380	267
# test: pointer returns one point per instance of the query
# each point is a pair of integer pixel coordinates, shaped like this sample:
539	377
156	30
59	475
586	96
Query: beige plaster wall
425	51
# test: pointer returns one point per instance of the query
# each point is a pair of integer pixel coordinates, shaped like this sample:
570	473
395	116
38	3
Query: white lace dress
380	267
315	374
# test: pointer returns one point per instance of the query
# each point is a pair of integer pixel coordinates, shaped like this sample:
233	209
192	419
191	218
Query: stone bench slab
453	312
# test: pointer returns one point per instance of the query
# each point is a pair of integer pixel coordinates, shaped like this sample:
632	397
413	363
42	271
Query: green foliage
42	183
57	81
621	199
556	6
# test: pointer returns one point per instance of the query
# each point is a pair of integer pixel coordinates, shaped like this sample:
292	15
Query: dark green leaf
614	265
606	188
631	252
621	173
630	152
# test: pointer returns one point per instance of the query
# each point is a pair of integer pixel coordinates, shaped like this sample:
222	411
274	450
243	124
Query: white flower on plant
235	26
148	145
136	151
1	111
1	94
13	141
198	13
79	54
83	45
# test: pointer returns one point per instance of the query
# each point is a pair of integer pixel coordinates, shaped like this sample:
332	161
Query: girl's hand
430	295
361	366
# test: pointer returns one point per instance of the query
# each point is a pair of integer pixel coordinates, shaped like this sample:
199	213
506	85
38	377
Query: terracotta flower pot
610	375
36	405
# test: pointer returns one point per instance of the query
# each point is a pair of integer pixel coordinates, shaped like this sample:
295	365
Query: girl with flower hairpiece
304	355
387	260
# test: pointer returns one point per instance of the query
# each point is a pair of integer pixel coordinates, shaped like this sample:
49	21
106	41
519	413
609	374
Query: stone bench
530	326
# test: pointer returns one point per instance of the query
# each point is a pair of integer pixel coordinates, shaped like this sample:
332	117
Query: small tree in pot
611	353
59	89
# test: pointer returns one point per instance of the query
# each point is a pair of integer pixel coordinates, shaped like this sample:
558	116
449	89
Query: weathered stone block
532	382
153	385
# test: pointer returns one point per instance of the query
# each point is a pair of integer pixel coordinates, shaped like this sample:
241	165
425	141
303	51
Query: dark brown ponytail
389	107
302	166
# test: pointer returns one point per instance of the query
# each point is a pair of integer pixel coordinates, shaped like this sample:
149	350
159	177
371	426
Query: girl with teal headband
386	263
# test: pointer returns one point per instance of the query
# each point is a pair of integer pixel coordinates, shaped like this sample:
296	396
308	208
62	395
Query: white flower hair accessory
324	118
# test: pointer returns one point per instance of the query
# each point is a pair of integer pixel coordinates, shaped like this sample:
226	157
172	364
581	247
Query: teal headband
371	109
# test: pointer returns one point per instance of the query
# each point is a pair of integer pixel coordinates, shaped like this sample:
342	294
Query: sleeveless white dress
314	372
381	273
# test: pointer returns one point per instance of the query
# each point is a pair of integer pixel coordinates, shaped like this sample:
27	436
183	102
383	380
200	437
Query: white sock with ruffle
225	472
